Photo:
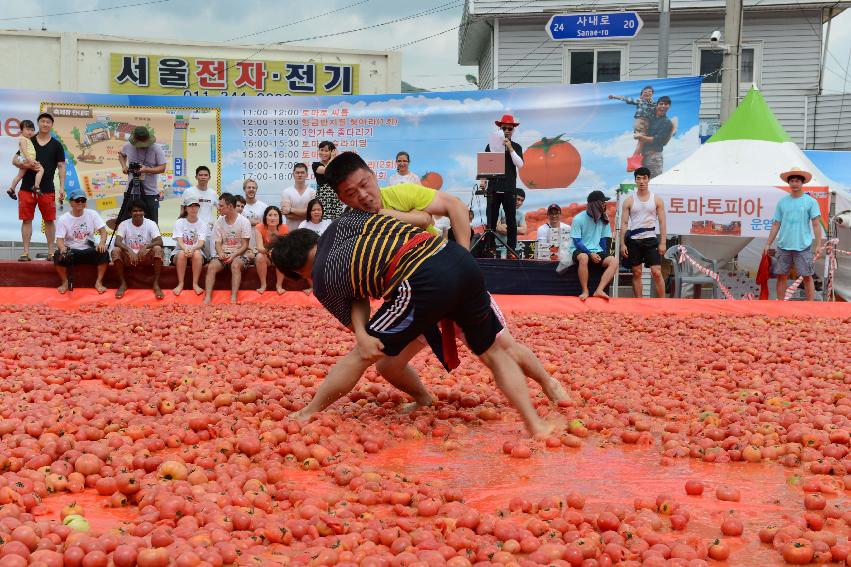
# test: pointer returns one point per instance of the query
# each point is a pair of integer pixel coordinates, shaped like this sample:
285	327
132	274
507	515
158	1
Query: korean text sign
200	76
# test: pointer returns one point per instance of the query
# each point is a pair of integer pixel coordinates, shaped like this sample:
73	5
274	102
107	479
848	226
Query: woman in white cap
190	233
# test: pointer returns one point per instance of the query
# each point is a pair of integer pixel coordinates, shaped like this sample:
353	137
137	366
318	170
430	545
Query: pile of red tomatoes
158	437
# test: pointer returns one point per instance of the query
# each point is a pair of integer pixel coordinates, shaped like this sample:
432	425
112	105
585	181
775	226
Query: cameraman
142	149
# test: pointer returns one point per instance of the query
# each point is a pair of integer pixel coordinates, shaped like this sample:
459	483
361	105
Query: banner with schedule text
576	139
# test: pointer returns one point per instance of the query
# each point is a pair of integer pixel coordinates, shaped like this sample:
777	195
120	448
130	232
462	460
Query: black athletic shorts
85	256
449	285
577	252
643	251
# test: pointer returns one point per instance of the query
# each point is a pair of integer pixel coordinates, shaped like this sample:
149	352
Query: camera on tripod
135	168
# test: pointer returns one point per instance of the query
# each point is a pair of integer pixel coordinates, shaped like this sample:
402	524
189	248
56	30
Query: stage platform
510	277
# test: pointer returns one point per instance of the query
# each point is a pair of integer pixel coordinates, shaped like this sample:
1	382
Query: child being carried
26	160
645	109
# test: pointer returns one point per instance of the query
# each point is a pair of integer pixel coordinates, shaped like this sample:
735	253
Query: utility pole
664	36
732	52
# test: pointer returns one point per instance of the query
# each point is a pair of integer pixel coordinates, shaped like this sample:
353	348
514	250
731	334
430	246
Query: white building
41	60
782	52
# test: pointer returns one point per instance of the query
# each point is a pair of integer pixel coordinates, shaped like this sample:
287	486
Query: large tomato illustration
550	163
433	180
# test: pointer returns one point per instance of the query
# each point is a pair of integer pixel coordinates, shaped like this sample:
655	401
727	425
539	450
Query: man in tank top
640	245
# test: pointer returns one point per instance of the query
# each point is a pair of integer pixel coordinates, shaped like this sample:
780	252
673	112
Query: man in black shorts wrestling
426	282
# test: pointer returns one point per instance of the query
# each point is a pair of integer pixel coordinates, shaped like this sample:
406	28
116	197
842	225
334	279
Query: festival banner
576	139
727	210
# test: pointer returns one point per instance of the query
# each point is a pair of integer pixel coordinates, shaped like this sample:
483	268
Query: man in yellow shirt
357	187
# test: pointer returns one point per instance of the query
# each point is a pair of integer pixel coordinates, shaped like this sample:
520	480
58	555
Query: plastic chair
686	273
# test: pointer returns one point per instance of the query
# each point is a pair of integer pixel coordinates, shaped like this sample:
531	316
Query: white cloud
527	137
589	180
682	146
620	146
231	158
414	108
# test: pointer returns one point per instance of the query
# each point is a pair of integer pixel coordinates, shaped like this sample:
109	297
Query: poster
576	139
727	210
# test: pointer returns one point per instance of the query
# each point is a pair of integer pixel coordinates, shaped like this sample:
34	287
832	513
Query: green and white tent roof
751	148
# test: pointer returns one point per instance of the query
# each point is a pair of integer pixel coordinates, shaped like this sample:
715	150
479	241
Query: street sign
599	25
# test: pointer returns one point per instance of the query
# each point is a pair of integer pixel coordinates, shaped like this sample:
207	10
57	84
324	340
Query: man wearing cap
138	243
75	235
592	234
552	235
143	149
796	226
503	188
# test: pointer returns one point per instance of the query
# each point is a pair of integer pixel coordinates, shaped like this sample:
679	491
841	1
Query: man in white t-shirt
75	234
403	173
294	199
231	234
552	236
206	198
254	207
138	243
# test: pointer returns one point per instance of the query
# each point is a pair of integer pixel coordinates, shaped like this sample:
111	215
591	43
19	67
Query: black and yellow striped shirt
354	254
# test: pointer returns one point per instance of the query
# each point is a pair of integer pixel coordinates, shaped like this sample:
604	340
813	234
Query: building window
712	61
602	65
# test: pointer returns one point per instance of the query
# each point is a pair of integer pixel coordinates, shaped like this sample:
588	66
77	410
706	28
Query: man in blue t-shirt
591	235
796	226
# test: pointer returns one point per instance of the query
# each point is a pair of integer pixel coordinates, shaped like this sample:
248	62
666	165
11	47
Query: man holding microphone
503	188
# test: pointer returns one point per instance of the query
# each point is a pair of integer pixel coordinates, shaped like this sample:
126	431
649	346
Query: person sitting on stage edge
75	233
520	216
190	236
207	199
270	227
552	235
592	234
797	228
138	243
425	280
641	213
231	234
143	149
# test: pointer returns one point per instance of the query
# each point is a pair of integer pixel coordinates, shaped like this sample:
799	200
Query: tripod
485	246
134	192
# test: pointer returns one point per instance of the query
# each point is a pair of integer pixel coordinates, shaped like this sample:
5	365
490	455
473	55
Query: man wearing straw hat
796	226
142	149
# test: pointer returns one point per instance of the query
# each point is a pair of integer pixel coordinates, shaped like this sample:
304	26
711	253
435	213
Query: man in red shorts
50	154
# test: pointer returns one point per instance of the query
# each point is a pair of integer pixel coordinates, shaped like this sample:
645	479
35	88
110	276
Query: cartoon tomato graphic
550	163
432	180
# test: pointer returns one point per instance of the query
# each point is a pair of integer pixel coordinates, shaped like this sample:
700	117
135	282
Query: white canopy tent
743	160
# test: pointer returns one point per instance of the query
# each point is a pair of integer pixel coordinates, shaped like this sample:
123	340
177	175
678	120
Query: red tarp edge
508	303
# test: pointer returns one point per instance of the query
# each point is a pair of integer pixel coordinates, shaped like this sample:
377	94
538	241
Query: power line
40	16
328	13
428	12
